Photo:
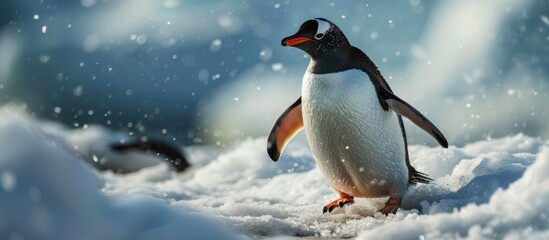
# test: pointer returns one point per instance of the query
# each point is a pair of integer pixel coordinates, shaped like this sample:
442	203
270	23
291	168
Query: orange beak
294	41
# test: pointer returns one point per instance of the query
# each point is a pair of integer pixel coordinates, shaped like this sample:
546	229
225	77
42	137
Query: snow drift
495	188
48	193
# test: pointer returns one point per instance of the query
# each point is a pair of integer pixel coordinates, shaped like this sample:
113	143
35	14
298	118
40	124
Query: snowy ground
496	188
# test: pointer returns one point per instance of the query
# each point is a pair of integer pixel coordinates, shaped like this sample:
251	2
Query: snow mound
496	188
516	212
48	193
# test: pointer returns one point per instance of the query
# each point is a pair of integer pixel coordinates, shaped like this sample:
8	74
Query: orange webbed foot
391	206
343	200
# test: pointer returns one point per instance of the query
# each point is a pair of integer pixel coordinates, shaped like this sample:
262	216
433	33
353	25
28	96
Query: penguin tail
416	177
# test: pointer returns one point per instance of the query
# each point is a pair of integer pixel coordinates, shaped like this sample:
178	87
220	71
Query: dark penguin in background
173	156
107	150
352	120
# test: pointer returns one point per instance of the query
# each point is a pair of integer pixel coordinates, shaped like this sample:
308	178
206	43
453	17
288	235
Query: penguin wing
403	108
285	128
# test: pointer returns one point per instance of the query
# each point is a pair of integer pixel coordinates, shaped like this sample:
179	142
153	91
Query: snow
213	72
48	193
497	188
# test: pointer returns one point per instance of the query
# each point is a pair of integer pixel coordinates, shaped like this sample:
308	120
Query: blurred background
213	72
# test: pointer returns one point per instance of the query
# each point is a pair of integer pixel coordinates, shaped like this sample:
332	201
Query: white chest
357	145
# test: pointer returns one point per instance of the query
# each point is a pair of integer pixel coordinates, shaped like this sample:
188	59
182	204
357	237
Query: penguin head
317	37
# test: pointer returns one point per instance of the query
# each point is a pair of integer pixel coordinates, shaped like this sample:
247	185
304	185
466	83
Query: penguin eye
319	36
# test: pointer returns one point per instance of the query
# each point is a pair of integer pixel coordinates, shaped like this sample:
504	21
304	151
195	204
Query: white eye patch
323	27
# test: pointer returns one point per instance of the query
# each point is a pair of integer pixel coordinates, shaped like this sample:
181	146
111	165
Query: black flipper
403	108
285	128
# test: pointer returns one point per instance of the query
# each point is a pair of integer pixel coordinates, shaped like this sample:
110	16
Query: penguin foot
343	200
391	206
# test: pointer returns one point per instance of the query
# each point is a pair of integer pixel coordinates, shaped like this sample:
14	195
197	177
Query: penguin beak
292	41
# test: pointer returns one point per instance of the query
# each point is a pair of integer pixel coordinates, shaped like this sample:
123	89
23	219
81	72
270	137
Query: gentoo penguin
352	119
